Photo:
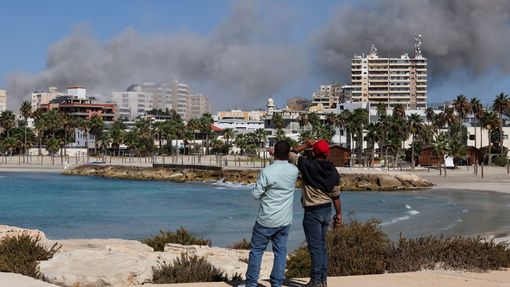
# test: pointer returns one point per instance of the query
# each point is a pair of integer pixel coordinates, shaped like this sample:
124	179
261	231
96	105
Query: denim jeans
259	240
315	224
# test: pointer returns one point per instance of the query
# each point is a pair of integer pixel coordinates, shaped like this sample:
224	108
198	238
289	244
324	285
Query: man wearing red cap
319	177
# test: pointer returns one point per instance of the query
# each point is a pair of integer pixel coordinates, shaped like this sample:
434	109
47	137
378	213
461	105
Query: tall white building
180	98
198	105
133	103
3	100
326	98
390	81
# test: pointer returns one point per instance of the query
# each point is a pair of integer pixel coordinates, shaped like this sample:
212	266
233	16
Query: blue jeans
259	239
315	224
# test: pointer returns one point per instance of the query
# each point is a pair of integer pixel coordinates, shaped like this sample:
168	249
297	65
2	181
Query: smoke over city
472	35
246	59
232	65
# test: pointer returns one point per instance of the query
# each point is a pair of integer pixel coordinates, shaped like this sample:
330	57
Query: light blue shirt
275	189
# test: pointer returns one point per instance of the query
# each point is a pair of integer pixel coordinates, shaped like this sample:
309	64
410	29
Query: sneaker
324	284
313	284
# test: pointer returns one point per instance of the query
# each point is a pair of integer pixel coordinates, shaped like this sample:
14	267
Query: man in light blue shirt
275	189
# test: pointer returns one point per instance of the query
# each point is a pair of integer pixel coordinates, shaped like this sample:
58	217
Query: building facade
180	98
43	98
298	104
133	102
390	81
198	105
326	98
3	100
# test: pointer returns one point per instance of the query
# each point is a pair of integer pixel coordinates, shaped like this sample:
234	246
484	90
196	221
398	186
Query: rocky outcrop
370	181
12	231
382	182
116	262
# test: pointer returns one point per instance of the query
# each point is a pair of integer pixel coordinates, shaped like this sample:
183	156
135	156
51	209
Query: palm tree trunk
501	132
489	161
412	153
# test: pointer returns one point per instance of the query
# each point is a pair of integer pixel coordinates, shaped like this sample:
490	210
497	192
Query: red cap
321	147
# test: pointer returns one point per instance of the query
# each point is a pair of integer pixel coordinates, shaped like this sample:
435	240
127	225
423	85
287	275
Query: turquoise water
88	207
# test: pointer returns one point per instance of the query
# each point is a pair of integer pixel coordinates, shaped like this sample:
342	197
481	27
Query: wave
407	206
232	185
413	212
402	218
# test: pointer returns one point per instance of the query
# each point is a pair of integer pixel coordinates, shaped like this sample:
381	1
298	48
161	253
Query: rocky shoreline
349	181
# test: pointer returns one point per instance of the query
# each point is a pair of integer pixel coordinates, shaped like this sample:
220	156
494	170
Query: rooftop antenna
417	46
373	50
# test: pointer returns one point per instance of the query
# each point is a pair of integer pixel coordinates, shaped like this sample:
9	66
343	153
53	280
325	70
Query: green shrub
499	161
362	248
180	236
465	253
21	254
241	245
356	248
187	270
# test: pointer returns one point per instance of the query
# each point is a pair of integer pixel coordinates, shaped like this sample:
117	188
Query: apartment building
298	104
326	98
133	102
180	98
43	98
390	80
198	105
3	100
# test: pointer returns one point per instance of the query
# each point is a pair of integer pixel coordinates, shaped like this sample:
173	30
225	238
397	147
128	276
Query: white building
44	98
133	102
180	98
479	138
326	98
3	100
198	105
240	125
390	80
78	92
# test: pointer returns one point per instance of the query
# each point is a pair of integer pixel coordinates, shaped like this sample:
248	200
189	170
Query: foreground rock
116	262
12	231
18	280
349	182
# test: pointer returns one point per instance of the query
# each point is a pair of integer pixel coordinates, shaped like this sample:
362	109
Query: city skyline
239	53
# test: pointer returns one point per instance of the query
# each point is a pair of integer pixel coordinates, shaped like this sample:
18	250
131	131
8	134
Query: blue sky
30	29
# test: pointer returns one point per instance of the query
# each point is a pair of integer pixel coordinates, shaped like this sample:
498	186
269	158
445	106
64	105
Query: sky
239	53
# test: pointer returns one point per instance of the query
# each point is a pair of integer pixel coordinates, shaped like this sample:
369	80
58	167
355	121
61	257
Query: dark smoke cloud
470	35
233	65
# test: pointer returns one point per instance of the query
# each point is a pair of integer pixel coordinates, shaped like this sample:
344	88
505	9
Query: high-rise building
390	81
198	105
3	100
180	98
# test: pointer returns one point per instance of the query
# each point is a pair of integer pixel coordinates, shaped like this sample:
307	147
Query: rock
388	181
230	261
18	280
12	231
177	177
100	262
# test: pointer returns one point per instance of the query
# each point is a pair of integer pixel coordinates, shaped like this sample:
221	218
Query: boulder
100	262
12	231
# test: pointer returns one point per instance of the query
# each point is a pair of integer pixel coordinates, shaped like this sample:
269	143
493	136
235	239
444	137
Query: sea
65	207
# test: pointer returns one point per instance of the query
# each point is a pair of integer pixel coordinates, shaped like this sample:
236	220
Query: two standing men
274	189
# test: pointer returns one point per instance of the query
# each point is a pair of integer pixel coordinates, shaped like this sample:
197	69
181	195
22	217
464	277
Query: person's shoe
313	284
324	284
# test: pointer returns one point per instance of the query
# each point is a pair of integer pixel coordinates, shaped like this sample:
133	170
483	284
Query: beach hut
428	157
339	156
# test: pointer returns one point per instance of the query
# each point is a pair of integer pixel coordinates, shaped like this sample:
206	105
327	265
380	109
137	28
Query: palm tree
241	142
96	127
278	121
40	127
490	121
157	130
441	149
381	109
342	120
399	111
477	110
399	132
372	137
7	121
430	114
260	137
500	104
206	121
228	134
356	124
415	124
26	112
462	107
117	134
